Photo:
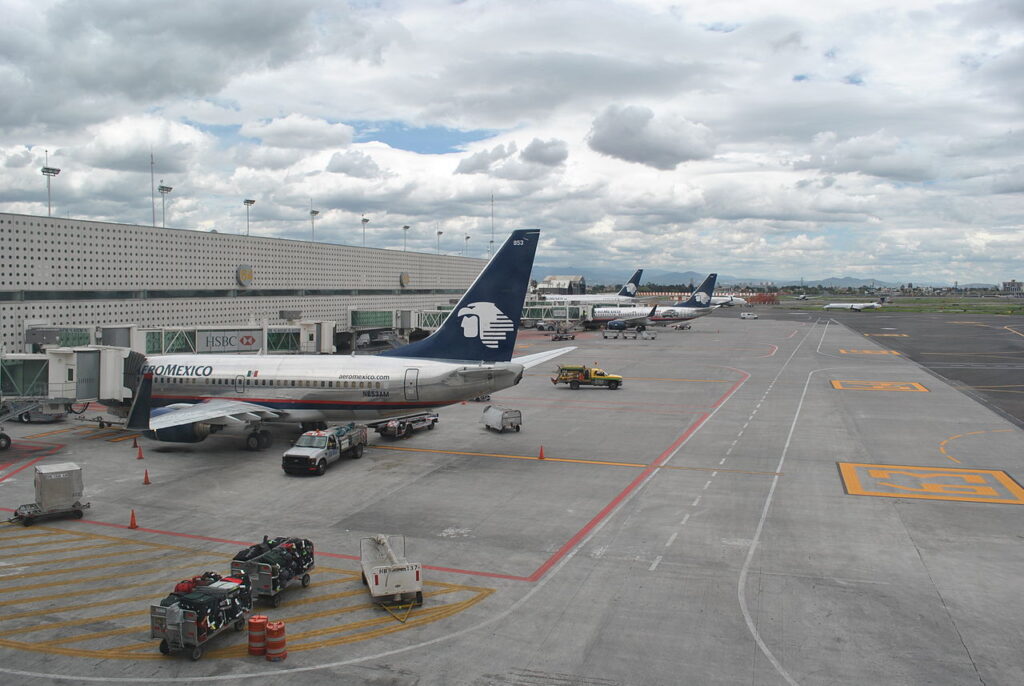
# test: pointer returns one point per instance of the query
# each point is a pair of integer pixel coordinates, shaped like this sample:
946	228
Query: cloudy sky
777	139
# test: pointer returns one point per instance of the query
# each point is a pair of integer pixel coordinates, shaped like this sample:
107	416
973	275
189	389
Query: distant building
562	285
1012	287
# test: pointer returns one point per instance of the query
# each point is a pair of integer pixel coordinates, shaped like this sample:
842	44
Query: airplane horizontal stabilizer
533	360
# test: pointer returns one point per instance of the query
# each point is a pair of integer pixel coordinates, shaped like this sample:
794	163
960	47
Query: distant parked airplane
626	294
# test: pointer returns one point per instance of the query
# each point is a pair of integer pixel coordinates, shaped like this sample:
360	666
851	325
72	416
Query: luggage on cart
282	561
187	620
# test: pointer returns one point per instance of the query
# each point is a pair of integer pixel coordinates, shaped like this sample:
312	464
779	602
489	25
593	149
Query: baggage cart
403	427
275	564
388	576
181	629
501	419
58	494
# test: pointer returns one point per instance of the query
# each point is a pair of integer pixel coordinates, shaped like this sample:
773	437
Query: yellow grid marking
30	553
931	483
869	352
48	604
848	385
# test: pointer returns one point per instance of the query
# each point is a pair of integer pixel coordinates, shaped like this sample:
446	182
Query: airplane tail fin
629	289
702	295
138	417
482	327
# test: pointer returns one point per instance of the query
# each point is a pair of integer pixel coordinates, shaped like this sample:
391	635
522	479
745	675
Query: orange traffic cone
145	479
133	524
139	456
541	456
135	441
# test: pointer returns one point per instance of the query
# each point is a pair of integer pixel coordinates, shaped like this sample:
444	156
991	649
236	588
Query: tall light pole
312	221
248	203
405	237
49	172
439	234
152	177
465	248
365	222
164	190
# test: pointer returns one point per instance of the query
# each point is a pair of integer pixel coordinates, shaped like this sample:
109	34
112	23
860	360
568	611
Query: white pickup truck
316	449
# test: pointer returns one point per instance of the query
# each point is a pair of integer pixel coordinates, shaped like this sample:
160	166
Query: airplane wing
536	358
221	412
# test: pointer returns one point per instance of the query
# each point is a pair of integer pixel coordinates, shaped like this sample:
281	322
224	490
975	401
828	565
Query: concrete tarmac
771	501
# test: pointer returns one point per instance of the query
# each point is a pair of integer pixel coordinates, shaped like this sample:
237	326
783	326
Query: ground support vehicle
501	419
58	494
638	332
187	621
314	450
748	315
388	576
274	564
5	440
563	336
576	375
402	427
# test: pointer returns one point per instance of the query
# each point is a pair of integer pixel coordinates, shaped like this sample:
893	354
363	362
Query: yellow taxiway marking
69	559
849	385
942	444
50	584
931	483
870	352
603	463
81	606
55	432
36	551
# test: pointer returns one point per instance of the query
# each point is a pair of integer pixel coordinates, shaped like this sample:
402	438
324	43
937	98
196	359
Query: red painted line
776	349
571	543
792	334
5	466
50	450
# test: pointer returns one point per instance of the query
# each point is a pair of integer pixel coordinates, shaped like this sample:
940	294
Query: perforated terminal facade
70	272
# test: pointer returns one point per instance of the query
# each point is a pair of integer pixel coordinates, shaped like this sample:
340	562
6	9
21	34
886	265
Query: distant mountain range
600	276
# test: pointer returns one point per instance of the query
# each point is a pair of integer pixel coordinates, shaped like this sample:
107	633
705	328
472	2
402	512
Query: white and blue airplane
626	294
853	307
698	305
185	398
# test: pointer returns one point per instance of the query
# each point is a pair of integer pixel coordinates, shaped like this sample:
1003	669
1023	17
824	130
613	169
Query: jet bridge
59	377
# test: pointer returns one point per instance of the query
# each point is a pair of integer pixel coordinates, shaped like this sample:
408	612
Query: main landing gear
258	440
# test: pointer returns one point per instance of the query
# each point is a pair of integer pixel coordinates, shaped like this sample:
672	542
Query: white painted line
696	502
722	461
672	539
714	474
685	519
706	484
654	565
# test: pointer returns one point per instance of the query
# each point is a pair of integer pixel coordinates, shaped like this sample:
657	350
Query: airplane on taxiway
854	307
626	294
185	398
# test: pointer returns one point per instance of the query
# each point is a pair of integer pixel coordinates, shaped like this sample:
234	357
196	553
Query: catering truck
316	449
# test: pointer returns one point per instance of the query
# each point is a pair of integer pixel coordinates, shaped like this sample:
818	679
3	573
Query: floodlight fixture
405	237
365	222
439	234
312	221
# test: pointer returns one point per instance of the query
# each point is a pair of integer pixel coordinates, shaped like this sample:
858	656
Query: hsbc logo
237	340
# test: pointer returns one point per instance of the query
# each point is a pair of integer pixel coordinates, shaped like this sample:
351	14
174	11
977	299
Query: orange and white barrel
258	635
275	642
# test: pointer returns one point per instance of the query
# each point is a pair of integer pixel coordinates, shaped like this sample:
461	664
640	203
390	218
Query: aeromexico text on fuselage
287	384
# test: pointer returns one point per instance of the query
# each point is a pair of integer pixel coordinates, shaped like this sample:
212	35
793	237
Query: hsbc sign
230	341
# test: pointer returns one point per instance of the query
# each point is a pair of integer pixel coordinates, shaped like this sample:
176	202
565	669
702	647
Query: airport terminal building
62	277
